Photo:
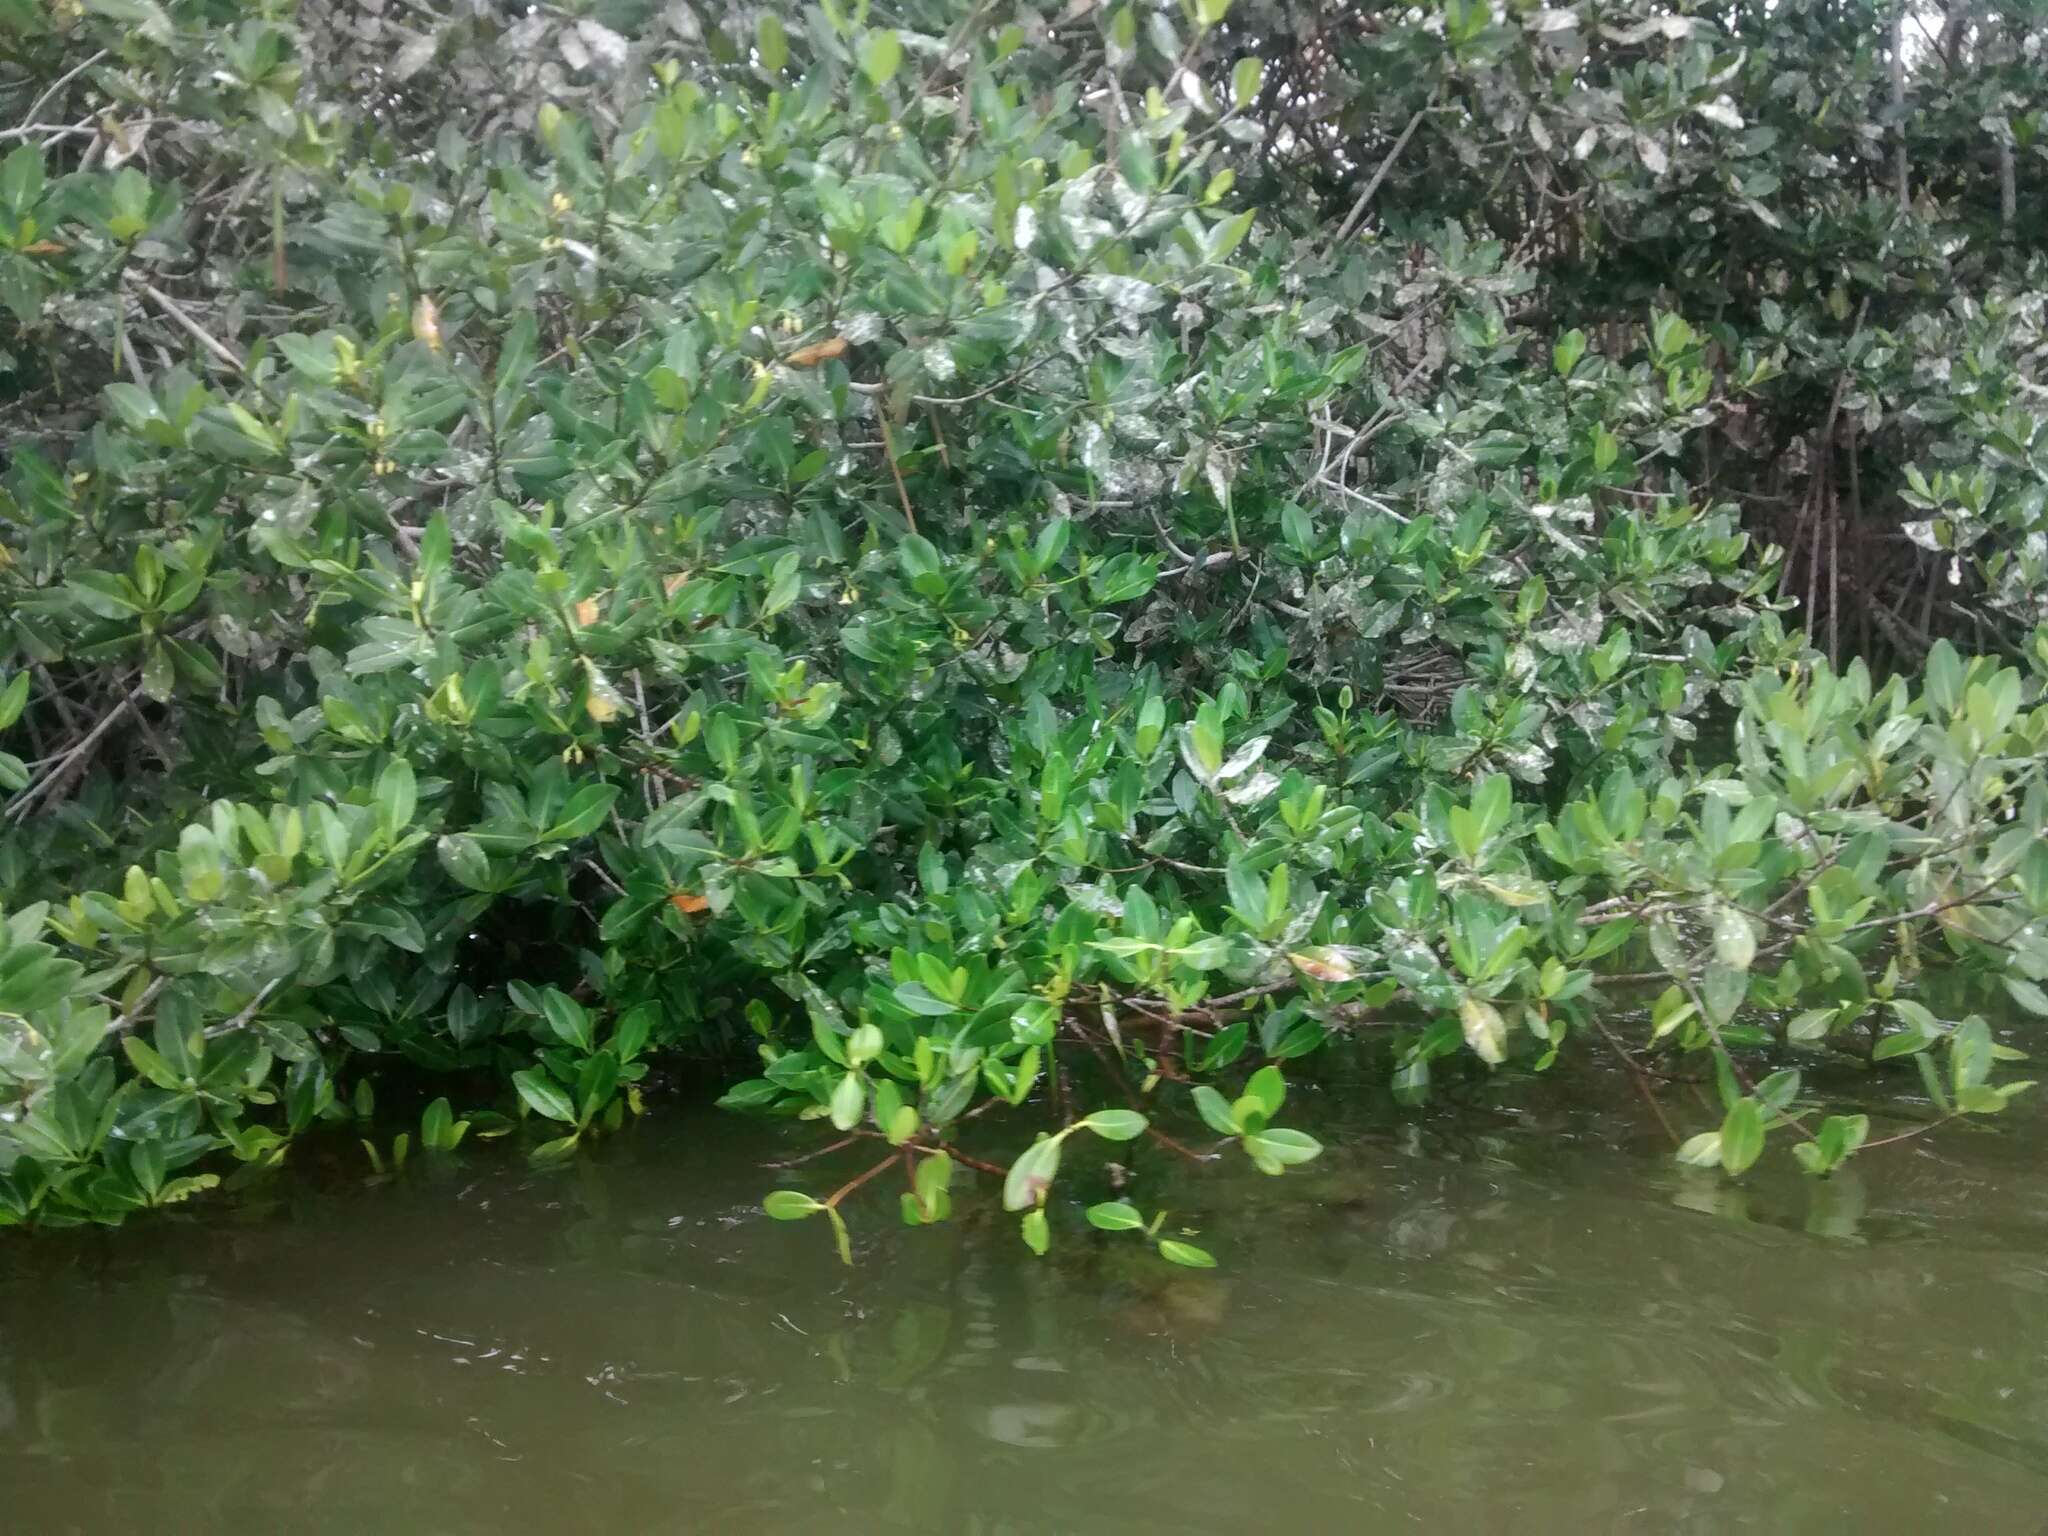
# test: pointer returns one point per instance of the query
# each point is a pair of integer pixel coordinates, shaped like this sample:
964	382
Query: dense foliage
933	545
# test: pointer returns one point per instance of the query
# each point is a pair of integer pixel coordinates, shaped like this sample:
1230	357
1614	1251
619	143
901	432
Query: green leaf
1734	940
1812	1025
1269	1088
849	1100
771	42
791	1205
464	859
785	584
558	1149
1722	989
918	998
1970	1056
2028	995
1245	78
1278	1148
159	678
1115	1216
1225	238
1215	1110
568	1018
934	1175
1701	1151
1036	1230
1135	160
1742	1135
585	813
1115	1124
151	1065
21	180
146	17
437	1126
1491	804
544	1096
1185	1254
881	55
13	698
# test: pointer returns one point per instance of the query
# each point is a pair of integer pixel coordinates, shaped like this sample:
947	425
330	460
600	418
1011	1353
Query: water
1511	1315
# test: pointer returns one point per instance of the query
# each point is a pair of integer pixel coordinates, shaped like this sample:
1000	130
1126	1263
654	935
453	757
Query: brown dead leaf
586	613
687	902
817	352
42	248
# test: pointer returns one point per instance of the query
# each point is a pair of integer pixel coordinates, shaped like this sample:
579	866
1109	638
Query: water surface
1507	1315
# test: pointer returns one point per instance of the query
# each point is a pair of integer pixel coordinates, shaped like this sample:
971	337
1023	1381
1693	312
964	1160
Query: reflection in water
1517	1316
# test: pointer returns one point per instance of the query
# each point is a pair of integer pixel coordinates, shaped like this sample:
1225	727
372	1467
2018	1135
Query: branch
71	759
133	1016
1358	208
889	453
58	85
198	332
247	1013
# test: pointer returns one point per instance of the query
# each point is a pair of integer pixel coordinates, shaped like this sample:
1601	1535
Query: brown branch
808	1157
889	453
932	1149
1639	1077
857	1180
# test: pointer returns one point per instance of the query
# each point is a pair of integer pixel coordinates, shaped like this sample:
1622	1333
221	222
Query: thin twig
198	332
857	1180
1358	208
133	1016
59	83
70	759
248	1013
808	1157
889	453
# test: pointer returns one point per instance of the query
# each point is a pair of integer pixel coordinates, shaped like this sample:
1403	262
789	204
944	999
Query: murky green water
1512	1316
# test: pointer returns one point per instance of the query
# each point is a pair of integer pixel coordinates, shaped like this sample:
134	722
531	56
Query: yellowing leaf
602	703
1485	1030
1324	965
426	323
687	902
586	613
